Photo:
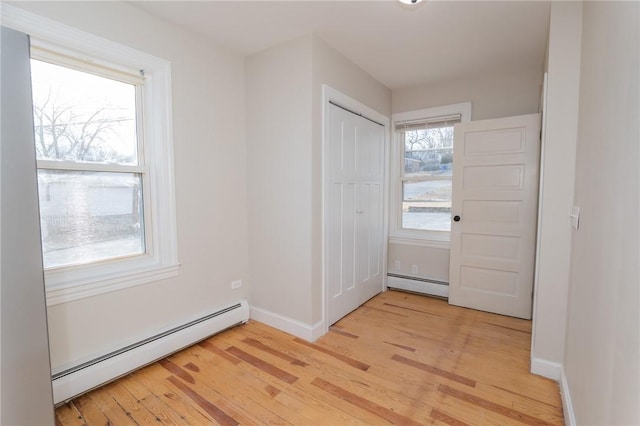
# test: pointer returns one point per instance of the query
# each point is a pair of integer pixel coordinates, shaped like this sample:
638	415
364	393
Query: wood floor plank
376	394
214	386
158	404
259	345
384	389
354	413
89	411
166	398
519	395
217	351
112	410
337	330
133	398
262	365
212	410
297	396
446	419
190	413
399	359
256	391
364	403
434	370
488	405
67	414
350	361
308	396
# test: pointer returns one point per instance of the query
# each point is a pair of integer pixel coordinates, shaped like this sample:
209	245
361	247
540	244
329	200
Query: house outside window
422	170
91	171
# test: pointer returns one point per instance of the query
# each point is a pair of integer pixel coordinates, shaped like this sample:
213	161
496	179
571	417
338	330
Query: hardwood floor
399	359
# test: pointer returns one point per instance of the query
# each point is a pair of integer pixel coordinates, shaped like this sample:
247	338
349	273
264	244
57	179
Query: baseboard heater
77	380
418	285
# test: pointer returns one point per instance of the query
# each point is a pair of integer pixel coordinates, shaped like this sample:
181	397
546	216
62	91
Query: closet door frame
330	95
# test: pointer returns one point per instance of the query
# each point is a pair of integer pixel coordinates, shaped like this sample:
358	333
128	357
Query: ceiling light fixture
410	2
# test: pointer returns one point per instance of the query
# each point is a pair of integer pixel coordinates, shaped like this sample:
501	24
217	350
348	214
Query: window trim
161	261
397	234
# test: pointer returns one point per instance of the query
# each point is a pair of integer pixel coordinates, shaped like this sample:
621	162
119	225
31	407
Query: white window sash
415	120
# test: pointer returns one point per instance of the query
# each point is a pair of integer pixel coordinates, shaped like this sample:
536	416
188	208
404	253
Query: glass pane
427	205
89	216
83	117
428	151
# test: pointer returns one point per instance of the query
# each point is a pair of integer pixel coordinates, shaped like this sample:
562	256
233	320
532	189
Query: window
102	121
91	172
423	163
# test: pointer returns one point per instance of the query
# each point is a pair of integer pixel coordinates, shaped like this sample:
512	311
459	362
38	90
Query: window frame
65	284
134	78
398	234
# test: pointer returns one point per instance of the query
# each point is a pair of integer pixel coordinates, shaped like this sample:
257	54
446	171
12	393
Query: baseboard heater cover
77	380
418	285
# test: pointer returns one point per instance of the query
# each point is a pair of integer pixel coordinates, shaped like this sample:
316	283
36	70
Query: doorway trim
334	96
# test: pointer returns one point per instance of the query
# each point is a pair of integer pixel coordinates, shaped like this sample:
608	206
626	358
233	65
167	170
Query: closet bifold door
25	373
354	203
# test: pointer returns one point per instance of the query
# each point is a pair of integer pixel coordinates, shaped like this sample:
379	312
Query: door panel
354	220
495	190
492	178
484	280
494	142
490	246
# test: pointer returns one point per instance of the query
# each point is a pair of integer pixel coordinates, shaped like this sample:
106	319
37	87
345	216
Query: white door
353	210
494	205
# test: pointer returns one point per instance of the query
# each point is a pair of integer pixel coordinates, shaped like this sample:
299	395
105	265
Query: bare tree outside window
63	134
428	167
427	149
439	137
82	119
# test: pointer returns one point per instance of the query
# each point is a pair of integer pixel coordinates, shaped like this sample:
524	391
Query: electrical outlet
236	284
396	265
414	269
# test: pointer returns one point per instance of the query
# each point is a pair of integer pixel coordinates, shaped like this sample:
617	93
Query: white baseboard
544	368
288	325
567	406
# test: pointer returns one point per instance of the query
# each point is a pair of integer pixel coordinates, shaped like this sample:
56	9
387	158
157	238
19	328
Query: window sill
103	283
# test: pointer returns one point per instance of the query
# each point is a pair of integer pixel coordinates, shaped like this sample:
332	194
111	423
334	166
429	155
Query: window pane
428	151
89	216
83	117
427	205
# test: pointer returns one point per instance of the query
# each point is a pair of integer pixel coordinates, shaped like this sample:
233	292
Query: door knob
456	218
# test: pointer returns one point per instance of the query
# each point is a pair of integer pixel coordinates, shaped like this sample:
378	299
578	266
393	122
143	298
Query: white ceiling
399	46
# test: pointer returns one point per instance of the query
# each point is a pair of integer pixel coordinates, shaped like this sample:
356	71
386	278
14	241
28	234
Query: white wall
284	119
602	359
431	262
333	69
278	98
558	166
210	165
491	96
